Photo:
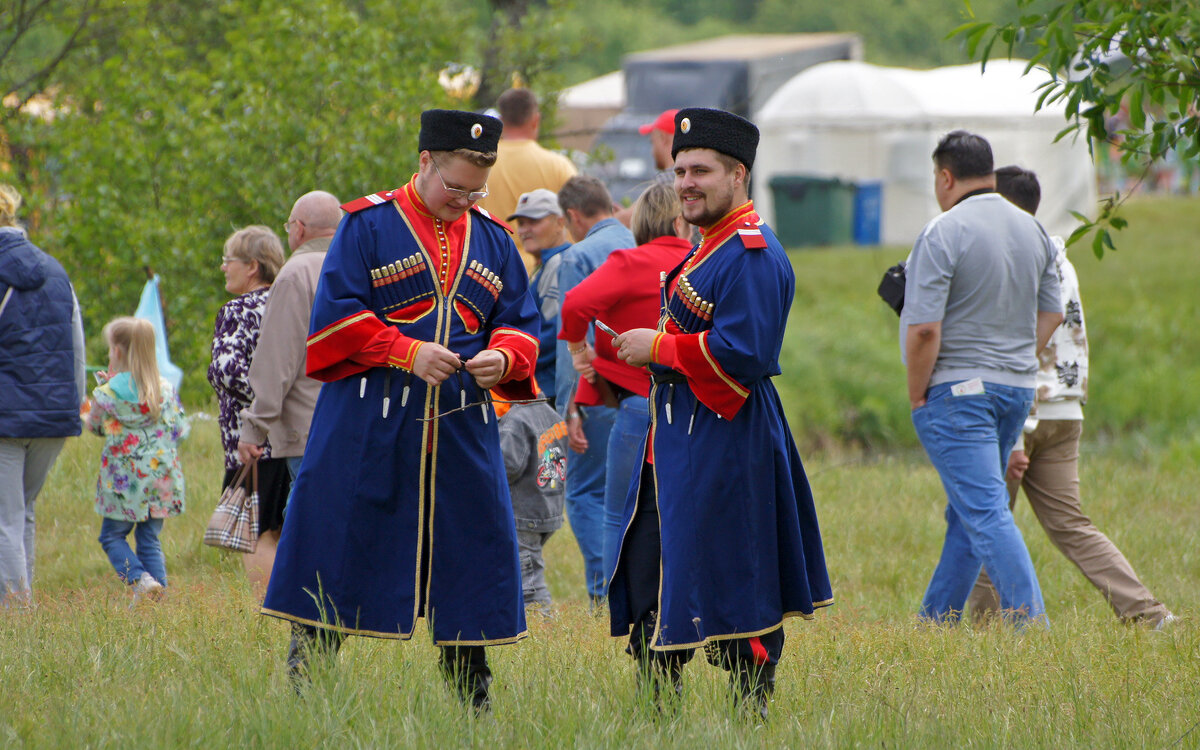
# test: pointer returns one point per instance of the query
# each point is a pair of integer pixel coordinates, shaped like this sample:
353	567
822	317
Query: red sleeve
358	343
688	353
520	350
597	293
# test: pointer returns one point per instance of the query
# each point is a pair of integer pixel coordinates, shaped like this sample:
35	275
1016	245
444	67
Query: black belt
670	376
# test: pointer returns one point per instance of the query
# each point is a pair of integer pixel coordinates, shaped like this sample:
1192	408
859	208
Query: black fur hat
717	129
450	129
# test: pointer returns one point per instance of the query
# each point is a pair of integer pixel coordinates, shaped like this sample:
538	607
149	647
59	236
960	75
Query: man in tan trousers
1047	464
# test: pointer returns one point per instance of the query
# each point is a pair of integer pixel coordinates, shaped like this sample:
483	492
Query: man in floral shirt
1045	460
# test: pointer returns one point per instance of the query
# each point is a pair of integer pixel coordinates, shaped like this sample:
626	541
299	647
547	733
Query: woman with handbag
252	257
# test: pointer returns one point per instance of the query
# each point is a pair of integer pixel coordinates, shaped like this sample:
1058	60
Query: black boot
465	668
752	686
306	641
660	675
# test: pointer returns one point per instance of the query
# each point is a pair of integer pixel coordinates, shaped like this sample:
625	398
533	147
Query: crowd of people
423	404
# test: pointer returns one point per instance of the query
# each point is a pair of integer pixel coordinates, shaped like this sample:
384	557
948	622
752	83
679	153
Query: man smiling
721	542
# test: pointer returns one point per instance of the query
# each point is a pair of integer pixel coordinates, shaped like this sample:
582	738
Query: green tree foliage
196	118
523	42
895	32
1107	56
36	36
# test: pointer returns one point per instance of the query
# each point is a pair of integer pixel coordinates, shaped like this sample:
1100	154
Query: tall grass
203	669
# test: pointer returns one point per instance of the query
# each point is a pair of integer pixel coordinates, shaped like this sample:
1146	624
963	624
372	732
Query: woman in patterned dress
253	256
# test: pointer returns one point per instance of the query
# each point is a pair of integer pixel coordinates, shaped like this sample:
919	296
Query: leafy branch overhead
1127	72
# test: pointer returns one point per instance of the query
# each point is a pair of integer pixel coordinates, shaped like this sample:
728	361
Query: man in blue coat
722	506
401	510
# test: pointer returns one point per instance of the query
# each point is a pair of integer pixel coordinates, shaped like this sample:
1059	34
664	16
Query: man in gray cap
543	233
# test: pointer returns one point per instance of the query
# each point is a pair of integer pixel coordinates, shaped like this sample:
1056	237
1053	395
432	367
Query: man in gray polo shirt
981	300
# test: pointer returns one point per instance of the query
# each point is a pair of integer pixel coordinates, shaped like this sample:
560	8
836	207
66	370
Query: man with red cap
662	134
401	509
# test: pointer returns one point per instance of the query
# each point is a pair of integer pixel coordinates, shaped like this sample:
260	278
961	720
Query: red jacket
624	293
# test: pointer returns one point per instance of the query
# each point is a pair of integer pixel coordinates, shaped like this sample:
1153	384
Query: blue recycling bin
868	212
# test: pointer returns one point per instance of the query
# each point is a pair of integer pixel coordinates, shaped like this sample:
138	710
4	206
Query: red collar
742	217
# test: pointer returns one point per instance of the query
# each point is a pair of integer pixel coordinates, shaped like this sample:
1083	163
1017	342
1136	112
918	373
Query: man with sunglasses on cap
401	509
721	540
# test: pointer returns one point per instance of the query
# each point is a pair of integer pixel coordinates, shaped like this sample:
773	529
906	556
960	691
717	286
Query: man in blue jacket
721	540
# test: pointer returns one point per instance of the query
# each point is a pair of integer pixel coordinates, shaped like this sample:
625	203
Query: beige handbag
234	522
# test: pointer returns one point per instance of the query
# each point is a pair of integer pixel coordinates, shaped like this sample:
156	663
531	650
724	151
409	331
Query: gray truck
737	73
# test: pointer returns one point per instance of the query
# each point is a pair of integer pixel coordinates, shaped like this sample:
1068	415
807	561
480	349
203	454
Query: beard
712	206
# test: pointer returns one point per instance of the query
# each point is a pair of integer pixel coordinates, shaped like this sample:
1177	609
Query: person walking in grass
141	484
1045	459
42	382
980	301
721	540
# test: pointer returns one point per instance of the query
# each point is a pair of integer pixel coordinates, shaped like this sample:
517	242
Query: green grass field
203	669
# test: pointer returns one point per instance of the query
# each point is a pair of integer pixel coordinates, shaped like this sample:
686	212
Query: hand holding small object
487	367
634	346
434	363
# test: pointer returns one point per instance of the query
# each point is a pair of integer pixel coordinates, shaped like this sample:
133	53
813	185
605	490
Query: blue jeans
585	494
968	439
293	464
624	459
149	557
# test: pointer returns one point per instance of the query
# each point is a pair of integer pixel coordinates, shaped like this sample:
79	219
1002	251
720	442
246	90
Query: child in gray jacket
533	438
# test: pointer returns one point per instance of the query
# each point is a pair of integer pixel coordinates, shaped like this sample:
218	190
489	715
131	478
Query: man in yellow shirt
522	164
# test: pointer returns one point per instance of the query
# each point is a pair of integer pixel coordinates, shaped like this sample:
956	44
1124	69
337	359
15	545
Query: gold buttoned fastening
445	248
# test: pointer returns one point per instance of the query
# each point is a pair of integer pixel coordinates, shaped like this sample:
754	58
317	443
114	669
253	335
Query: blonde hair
10	203
135	338
481	159
655	212
257	244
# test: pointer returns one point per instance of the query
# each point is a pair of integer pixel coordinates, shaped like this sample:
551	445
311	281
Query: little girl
140	482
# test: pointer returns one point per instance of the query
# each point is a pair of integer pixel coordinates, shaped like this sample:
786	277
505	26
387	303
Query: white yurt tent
865	123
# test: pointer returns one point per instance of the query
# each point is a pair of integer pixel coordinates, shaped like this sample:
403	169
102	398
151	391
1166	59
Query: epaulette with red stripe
484	213
751	235
374	199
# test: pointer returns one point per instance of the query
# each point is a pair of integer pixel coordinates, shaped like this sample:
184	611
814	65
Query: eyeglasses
227	259
471	195
287	225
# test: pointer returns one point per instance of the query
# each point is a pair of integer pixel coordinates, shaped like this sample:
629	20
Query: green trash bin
813	210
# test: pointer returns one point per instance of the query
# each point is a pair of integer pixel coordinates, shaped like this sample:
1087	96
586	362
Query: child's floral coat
140	476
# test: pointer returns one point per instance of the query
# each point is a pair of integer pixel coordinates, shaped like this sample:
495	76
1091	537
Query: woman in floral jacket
140	483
